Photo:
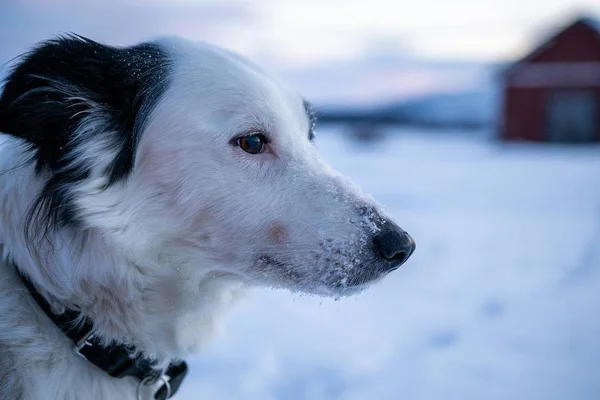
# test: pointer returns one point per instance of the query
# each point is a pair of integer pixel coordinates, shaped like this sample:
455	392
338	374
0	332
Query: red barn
553	94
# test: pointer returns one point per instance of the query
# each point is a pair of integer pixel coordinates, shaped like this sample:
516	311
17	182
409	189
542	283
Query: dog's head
190	155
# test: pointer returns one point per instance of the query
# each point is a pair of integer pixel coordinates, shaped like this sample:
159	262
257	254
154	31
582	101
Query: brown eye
252	144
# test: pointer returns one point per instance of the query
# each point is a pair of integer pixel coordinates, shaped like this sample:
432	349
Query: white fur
165	252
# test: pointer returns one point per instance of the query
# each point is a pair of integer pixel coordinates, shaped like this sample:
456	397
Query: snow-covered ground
500	301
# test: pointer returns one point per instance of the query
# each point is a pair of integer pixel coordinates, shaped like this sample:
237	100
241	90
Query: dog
142	189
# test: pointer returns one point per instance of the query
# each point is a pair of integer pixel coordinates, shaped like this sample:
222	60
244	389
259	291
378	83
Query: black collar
116	360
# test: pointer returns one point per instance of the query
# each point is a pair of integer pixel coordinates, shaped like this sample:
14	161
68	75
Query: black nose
394	245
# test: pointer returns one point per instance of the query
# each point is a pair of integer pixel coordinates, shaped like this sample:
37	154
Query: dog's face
221	173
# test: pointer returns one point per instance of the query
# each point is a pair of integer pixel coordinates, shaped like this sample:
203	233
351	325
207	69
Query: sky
404	47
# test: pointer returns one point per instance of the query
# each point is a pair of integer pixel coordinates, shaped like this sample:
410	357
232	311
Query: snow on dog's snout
328	247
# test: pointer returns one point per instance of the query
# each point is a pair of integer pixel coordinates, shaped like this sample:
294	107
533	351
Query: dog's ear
81	105
65	84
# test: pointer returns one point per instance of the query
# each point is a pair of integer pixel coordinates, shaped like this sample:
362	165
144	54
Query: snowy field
500	301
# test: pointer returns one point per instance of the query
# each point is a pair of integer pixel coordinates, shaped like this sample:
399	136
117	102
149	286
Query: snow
500	300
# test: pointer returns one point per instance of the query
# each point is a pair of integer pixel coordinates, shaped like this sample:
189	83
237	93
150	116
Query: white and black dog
141	189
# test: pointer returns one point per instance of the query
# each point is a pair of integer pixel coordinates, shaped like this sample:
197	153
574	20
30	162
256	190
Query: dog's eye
252	144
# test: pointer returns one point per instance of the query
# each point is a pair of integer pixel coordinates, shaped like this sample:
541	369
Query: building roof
586	20
592	23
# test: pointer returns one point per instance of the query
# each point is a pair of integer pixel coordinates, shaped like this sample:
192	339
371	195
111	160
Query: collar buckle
83	342
151	380
170	379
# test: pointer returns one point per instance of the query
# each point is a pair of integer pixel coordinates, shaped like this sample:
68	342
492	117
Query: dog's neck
162	309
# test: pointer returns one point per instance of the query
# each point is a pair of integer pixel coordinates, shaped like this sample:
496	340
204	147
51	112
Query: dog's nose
394	245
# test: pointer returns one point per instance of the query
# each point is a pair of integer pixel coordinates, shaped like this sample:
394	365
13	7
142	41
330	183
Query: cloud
375	80
287	31
334	50
26	23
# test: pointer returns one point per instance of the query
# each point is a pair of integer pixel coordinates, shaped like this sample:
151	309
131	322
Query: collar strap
116	360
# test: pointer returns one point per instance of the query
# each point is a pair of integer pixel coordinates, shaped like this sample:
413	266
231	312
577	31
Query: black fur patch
53	89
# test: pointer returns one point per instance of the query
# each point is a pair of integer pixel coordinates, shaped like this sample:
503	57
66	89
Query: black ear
70	92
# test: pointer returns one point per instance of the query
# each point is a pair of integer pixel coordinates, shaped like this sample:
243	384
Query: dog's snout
394	245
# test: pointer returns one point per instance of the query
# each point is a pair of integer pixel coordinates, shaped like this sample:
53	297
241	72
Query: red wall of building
523	114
